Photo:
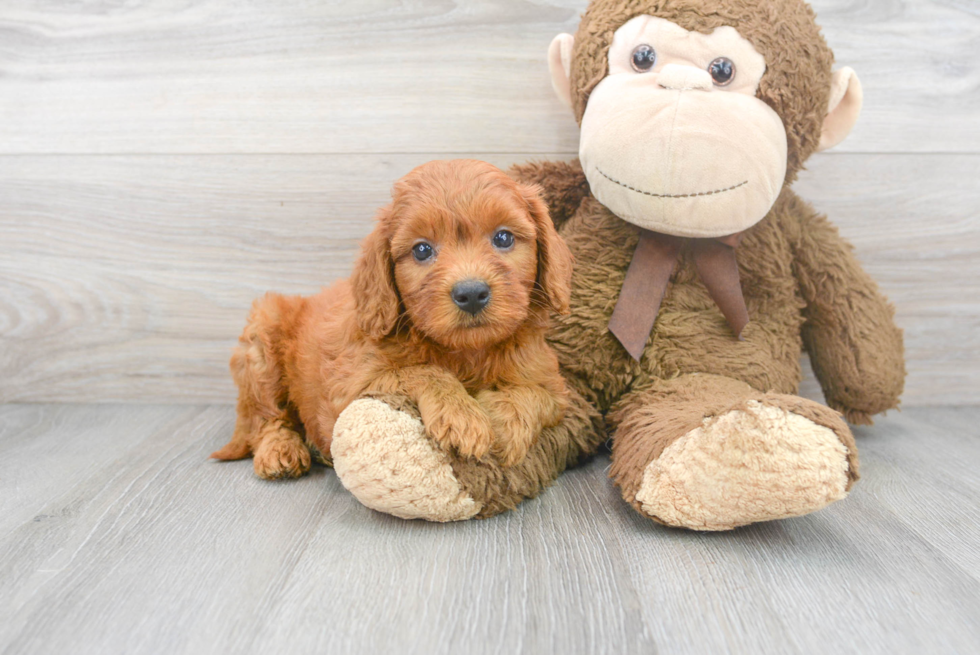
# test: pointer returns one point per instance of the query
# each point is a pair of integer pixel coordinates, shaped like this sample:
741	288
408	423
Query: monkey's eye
503	240
722	71
422	251
643	58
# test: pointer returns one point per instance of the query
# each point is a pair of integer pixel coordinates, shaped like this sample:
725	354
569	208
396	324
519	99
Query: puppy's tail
234	449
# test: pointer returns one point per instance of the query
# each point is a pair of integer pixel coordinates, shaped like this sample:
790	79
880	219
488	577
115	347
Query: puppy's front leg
518	414
452	417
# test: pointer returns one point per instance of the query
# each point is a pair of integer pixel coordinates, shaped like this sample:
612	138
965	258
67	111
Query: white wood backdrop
163	162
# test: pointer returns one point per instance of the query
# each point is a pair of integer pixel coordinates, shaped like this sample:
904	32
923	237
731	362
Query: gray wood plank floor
117	535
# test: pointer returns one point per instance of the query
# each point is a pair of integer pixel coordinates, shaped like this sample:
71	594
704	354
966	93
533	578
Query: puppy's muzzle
471	295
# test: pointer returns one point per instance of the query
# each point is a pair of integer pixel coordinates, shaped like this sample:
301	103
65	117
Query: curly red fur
484	384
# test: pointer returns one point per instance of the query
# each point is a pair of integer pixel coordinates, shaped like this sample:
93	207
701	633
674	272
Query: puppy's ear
554	257
373	282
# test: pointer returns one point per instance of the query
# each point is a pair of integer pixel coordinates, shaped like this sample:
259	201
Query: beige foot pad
747	465
385	459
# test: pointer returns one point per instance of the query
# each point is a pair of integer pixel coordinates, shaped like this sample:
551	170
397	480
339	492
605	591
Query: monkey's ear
843	108
554	257
560	65
373	282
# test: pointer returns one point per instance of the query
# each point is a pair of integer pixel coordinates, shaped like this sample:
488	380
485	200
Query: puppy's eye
503	240
422	251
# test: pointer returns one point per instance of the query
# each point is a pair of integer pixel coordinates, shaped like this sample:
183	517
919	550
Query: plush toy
699	278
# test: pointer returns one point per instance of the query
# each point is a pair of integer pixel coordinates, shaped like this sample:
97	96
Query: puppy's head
466	252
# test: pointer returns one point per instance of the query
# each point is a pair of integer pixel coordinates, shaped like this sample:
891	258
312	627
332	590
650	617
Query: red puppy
448	306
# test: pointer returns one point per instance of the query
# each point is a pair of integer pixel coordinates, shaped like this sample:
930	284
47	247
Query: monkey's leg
383	456
706	452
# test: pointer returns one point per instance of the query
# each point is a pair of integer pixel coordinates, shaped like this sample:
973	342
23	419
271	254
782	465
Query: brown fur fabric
803	287
563	186
484	382
850	334
798	277
648	420
797	274
565	445
798	62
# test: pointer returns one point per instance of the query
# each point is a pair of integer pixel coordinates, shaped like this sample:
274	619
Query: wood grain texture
127	268
915	223
30	477
128	278
381	76
151	548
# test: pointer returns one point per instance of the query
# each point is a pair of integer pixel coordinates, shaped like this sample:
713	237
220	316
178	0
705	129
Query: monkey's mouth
671	195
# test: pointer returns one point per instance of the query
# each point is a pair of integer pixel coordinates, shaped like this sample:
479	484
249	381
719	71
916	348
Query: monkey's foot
384	457
755	463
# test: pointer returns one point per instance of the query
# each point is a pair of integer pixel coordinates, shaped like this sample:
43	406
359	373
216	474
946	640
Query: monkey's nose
471	295
678	77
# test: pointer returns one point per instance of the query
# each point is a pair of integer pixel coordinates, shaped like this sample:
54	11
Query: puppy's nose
471	295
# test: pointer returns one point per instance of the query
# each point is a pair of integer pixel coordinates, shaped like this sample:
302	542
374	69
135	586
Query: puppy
448	306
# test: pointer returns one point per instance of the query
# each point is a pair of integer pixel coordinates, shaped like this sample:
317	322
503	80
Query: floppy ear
554	257
373	282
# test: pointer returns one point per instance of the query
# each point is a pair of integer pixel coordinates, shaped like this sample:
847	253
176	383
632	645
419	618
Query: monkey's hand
563	185
855	347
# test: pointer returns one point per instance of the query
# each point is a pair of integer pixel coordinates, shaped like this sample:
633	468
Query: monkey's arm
563	185
850	333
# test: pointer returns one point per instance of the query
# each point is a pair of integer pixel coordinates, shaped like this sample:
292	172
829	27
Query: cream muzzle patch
671	151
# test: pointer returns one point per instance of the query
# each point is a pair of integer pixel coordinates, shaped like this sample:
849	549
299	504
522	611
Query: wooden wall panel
129	277
382	76
162	163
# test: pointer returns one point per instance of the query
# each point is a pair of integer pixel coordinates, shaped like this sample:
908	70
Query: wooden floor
117	535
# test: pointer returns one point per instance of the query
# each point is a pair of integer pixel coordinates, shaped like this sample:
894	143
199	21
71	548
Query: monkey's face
674	139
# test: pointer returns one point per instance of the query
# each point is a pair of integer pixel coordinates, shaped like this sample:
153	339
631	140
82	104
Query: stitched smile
669	195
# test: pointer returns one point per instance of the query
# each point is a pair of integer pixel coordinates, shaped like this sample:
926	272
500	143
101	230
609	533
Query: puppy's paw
460	424
513	435
511	449
281	453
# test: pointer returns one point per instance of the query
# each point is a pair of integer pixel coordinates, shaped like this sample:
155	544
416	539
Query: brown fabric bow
648	275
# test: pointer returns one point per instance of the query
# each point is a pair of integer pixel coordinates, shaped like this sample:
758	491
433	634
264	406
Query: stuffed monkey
700	276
